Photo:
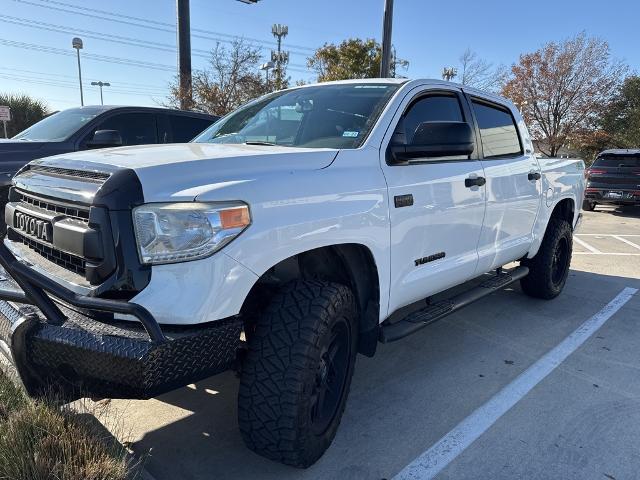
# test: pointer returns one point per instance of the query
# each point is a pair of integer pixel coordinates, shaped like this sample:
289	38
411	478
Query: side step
432	313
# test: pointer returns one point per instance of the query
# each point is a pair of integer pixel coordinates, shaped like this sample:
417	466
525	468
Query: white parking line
434	460
605	253
628	242
585	245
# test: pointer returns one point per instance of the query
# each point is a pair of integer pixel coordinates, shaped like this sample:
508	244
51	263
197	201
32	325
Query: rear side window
617	161
185	128
134	128
434	108
498	131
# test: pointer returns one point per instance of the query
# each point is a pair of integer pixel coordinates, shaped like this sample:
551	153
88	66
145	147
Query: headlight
175	232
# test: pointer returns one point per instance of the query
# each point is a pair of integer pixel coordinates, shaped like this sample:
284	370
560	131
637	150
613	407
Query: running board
432	313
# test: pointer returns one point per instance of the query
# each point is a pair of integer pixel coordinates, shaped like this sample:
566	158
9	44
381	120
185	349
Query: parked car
613	179
96	127
303	222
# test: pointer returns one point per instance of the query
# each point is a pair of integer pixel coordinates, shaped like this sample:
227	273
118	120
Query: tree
621	122
478	73
563	89
353	58
231	80
25	111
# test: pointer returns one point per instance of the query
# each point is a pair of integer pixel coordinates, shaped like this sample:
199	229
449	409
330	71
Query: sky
131	43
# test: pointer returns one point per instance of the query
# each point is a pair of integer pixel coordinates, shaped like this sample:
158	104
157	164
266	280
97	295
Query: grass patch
39	441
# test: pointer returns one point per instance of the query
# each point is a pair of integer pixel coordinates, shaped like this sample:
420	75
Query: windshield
57	127
617	161
325	116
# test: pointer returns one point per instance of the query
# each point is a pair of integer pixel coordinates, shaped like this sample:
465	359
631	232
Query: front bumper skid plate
84	352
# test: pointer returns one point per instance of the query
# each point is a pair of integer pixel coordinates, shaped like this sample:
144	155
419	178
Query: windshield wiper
257	142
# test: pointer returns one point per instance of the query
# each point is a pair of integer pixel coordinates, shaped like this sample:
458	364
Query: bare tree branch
563	89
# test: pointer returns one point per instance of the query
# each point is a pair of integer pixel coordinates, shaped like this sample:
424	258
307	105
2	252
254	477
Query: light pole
77	44
101	84
266	67
387	24
183	31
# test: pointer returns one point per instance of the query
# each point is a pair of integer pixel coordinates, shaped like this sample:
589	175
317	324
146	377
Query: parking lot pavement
581	420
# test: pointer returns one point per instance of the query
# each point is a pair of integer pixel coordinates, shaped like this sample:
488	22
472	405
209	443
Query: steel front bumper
76	346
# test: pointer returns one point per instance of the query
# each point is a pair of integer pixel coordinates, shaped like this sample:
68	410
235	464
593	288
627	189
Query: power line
51	74
72	86
164	24
210	35
136	42
90	56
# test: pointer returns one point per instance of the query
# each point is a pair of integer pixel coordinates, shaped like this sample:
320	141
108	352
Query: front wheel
549	269
297	373
588	205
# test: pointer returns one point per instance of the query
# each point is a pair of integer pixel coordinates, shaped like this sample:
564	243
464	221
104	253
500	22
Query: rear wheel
296	376
549	269
588	205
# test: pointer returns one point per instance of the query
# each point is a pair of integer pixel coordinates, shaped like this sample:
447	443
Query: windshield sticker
350	134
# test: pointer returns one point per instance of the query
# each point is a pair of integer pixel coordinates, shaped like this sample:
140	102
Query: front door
435	219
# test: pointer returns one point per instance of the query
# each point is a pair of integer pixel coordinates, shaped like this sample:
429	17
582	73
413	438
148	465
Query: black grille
70	172
67	210
65	260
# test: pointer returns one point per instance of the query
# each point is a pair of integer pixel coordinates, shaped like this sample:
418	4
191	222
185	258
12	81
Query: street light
101	84
77	44
266	67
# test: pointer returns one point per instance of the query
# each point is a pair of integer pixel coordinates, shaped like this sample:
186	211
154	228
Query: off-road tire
588	205
549	269
280	373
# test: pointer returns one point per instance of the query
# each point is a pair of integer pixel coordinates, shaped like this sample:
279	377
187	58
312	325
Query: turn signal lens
235	217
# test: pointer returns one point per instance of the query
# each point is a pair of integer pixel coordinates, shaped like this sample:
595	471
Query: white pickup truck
283	241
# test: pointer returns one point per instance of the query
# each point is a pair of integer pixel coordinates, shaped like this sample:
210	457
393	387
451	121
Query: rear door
513	186
184	128
435	219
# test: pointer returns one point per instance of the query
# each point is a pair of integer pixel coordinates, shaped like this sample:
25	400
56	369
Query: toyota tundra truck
283	241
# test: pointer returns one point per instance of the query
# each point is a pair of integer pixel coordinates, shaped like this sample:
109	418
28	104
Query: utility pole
77	44
280	58
184	53
101	84
387	24
449	73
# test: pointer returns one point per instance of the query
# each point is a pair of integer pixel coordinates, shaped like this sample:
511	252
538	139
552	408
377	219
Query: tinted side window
185	128
134	128
498	131
435	108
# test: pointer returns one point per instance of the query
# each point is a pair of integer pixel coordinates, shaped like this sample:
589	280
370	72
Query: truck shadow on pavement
402	400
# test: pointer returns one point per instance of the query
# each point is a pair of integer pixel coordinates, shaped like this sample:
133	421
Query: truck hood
183	171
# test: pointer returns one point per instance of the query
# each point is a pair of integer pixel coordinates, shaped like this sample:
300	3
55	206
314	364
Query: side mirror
434	139
105	138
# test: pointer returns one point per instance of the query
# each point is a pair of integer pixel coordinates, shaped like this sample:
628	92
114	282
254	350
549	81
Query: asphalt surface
581	421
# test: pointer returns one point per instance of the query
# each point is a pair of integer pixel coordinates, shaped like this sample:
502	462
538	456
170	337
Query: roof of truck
620	151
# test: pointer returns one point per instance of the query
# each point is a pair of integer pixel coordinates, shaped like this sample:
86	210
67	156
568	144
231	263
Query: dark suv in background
613	179
96	127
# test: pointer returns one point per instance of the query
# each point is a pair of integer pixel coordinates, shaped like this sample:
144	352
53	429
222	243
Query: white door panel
512	205
446	217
